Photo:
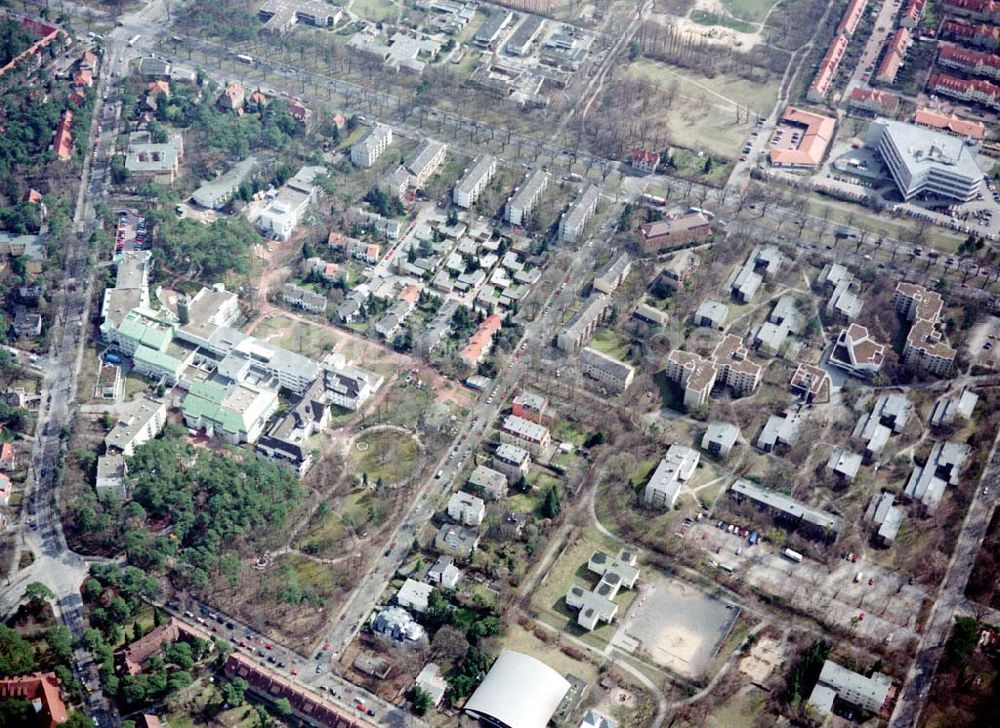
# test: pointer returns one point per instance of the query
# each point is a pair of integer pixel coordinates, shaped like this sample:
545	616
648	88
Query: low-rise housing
512	461
895	54
598	605
644	160
837	682
676	466
886	515
432	682
43	691
149	161
978	63
612	374
526	434
881	103
815	133
972	90
811	383
944	466
844	464
779	430
676	271
490	482
978	35
111	471
455	540
481	342
712	314
299	297
951	123
398	624
414	595
466	508
720	438
649	315
444	572
787	509
216	193
950	408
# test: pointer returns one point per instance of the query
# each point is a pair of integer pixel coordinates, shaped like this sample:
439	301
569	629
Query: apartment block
526	434
611	373
367	151
676	466
573	221
584	322
474	181
526	197
925	347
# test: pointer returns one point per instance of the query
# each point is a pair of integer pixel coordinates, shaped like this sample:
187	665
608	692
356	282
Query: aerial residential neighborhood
441	364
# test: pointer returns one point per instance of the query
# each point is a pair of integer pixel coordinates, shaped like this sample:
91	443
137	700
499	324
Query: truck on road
133	40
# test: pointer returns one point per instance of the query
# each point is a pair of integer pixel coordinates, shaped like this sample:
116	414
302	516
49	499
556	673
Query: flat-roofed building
236	413
286	210
676	466
490	30
524	35
574	220
923	161
883	512
695	375
613	374
944	467
857	353
367	151
837	682
720	438
787	509
524	433
216	193
414	595
149	161
779	430
735	369
811	383
577	332
844	464
279	16
524	199
474	181
111	471
530	406
466	508
649	315
491	482
425	161
456	541
925	347
512	461
712	314
949	409
144	421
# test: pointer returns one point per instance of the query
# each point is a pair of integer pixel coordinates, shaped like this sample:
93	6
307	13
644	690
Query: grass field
703	18
703	115
751	10
521	640
374	9
389	456
311	341
608	342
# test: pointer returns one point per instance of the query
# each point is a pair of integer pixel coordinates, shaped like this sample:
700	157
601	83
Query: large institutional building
925	161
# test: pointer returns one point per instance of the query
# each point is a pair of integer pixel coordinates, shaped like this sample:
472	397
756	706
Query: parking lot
130	233
880	605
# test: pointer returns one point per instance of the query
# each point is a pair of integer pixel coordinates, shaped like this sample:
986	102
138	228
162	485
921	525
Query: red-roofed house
300	113
895	52
232	98
42	690
975	9
481	341
33	196
816	135
89	60
46	33
912	14
980	35
339	120
949	122
976	90
410	294
974	62
62	145
8	456
828	68
83	77
645	161
878	102
852	16
155	88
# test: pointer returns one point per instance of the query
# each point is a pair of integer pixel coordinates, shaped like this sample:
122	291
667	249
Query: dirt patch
764	657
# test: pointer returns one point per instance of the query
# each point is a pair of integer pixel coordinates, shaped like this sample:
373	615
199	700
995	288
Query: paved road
951	598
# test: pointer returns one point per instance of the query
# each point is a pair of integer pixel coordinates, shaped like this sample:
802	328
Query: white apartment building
367	151
466	508
424	162
922	160
524	199
474	181
573	221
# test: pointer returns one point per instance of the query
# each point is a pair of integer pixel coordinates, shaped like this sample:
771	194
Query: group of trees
212	250
217	504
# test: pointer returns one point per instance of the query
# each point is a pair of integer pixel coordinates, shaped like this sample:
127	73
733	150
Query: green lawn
390	456
750	10
375	9
608	342
704	18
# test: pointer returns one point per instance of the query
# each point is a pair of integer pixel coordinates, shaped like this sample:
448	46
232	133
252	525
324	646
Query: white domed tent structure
517	692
